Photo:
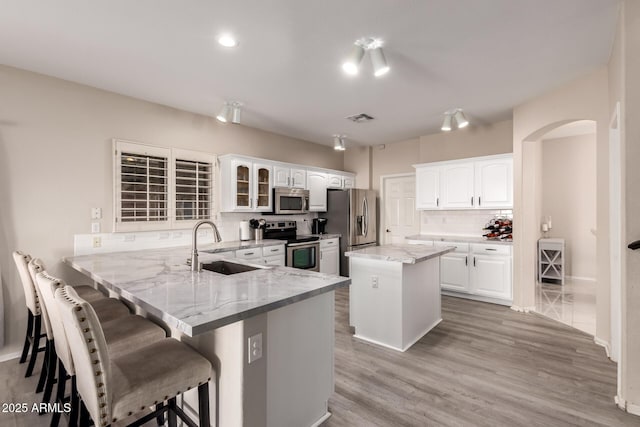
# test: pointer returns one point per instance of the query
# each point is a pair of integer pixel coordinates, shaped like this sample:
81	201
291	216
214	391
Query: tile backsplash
459	223
230	222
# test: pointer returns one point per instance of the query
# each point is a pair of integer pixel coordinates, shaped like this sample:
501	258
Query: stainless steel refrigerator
352	213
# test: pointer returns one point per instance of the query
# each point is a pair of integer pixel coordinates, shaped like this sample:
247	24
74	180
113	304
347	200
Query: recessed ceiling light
227	40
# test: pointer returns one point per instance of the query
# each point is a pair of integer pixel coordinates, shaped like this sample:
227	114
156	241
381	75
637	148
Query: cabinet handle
274	250
466	260
474	261
437	201
490	249
479	201
471	200
248	253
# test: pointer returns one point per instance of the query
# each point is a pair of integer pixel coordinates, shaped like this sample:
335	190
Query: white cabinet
551	255
330	256
491	271
454	267
268	255
247	185
478	183
494	183
348	181
340	181
286	176
317	186
427	187
456	186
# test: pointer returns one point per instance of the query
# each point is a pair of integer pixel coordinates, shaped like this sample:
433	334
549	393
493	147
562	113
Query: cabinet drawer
460	247
328	243
274	260
272	250
489	249
249	253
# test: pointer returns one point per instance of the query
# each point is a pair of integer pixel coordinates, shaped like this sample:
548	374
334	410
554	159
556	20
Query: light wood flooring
484	365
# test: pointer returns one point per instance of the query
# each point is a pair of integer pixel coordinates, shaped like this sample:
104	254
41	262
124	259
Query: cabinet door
242	186
262	198
491	276
427	188
456	186
281	176
329	260
334	181
454	272
317	186
348	182
494	183
274	260
298	178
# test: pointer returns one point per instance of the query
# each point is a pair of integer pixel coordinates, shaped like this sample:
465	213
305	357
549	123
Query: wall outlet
374	282
255	347
96	213
97	242
95	227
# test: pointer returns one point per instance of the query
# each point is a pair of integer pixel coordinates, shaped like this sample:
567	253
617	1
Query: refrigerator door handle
365	212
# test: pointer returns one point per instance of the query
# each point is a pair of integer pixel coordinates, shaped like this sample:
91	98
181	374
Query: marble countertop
406	254
462	239
235	245
160	282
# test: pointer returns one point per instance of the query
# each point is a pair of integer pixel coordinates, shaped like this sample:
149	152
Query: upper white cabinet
286	176
494	183
247	187
478	183
317	186
340	180
428	187
348	181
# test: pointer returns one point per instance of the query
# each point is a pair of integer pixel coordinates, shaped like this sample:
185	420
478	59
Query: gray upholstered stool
123	334
113	387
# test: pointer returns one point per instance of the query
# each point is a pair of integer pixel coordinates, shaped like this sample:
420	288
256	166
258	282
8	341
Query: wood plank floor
484	365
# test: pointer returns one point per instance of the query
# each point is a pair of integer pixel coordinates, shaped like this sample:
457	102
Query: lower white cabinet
476	270
269	255
330	256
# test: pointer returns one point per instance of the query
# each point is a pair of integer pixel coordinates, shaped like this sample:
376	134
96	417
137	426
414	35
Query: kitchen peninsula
394	298
287	314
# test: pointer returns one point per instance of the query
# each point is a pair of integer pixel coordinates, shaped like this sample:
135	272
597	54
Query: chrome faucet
195	264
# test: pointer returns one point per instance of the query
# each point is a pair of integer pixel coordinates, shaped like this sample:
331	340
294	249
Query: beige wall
358	161
473	141
392	159
569	197
56	163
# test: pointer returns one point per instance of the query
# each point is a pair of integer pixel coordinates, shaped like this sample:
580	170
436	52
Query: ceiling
483	56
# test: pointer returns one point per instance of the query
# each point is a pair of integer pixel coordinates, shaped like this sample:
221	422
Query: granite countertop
234	245
324	236
406	254
454	238
160	282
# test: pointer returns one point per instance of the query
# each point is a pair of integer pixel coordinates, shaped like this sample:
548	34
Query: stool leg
171	413
27	340
85	419
203	404
51	373
160	417
45	367
75	404
35	346
62	381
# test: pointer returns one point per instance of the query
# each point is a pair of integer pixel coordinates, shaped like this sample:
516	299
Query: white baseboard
322	419
629	407
585	279
360	337
10	356
523	309
605	344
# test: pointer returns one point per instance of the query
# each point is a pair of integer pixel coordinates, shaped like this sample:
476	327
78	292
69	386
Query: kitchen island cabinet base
394	304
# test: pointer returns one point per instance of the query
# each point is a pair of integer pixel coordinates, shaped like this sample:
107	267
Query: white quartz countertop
237	244
406	254
160	282
461	239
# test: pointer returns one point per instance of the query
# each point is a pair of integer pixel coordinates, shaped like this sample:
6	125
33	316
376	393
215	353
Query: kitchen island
394	299
288	314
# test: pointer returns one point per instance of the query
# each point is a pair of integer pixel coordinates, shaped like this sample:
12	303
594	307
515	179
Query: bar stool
123	334
116	387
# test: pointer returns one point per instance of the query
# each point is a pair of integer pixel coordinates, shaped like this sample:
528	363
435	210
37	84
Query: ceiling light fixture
352	64
231	112
227	40
338	143
455	116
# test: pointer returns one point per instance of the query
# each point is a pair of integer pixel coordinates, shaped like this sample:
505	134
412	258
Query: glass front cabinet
245	186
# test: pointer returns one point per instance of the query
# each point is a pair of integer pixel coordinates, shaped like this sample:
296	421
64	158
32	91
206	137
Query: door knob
388	231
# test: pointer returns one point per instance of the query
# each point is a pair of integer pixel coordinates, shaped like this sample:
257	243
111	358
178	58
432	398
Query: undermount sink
227	268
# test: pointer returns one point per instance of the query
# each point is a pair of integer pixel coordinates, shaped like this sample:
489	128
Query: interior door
401	218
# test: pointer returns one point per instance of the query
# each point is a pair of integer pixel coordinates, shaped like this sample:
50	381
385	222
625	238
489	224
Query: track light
352	64
461	119
230	112
338	143
454	116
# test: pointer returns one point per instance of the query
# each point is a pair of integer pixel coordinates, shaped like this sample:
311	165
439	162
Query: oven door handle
297	245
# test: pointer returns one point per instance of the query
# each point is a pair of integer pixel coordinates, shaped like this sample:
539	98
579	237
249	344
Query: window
160	188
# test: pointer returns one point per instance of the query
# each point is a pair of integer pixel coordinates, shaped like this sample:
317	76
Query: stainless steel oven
304	255
290	201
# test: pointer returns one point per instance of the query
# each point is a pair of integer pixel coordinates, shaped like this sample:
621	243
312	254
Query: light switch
95	227
255	347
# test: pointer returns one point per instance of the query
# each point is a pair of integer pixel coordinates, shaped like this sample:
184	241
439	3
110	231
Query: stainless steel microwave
290	201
